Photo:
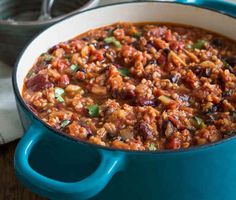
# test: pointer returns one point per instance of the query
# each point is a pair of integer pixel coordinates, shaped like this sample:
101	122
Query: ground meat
138	87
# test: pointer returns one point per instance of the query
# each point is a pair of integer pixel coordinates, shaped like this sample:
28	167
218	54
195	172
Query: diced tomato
174	143
60	64
168	35
63	81
97	55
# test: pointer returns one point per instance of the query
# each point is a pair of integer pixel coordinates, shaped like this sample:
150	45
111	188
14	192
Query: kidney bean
58	105
88	129
38	82
152	62
166	51
117	65
210	118
145	130
162	60
174	78
184	97
43	64
52	49
106	46
207	72
214	108
227	93
231	60
86	39
217	42
199	71
146	102
136	45
128	94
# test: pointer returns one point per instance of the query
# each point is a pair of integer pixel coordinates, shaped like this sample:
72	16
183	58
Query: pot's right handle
227	7
110	164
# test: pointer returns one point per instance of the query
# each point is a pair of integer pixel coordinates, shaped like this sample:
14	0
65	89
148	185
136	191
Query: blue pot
56	166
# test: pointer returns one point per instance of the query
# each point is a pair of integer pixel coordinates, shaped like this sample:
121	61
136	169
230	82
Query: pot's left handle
111	163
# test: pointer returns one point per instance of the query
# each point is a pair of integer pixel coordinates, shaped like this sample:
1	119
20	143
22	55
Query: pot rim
50	21
59	133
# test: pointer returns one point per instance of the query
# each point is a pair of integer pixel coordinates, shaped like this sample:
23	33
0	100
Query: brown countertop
10	187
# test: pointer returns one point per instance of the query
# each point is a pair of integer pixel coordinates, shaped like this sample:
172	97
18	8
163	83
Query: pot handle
110	164
226	7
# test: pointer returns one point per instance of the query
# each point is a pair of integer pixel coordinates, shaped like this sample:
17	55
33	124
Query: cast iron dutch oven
69	169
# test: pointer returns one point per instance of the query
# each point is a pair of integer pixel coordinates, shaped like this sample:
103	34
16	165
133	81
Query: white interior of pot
131	12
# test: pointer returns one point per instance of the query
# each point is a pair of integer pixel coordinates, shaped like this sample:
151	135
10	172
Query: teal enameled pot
56	166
